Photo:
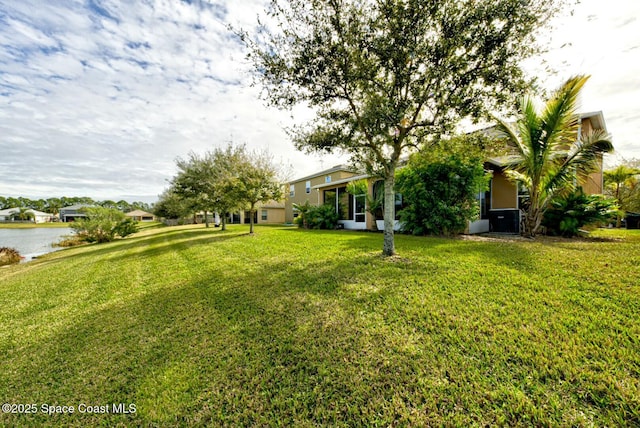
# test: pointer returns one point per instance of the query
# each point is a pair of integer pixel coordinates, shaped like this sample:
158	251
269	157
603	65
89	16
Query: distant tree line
53	205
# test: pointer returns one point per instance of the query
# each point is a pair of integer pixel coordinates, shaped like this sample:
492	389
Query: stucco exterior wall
504	193
275	215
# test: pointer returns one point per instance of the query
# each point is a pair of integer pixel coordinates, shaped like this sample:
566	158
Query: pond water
34	241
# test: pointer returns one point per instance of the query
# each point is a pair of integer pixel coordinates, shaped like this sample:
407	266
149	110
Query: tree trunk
389	248
532	221
618	216
223	220
251	219
206	219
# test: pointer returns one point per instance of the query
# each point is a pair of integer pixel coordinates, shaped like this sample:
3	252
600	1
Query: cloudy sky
99	97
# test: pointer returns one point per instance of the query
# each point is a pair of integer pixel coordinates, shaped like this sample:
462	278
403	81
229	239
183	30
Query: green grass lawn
33	225
199	327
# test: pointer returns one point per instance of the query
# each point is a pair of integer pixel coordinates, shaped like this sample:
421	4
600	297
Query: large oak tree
389	76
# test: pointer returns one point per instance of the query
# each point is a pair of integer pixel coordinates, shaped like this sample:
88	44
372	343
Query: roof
138	213
324	172
597	119
343	181
9	211
271	204
76	207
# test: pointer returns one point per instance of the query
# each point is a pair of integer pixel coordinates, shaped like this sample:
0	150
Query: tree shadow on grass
277	344
150	245
440	251
224	349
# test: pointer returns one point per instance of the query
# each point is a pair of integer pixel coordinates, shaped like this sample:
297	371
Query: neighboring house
139	215
72	213
309	188
271	212
499	206
330	187
38	216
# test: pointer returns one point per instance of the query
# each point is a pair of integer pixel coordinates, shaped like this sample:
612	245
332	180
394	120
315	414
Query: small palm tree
616	179
23	214
548	151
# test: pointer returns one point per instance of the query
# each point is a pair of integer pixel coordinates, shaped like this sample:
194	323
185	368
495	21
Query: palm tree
618	178
54	205
549	153
23	214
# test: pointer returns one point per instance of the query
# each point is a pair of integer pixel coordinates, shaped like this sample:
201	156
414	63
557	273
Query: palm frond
584	154
529	125
514	175
560	121
505	131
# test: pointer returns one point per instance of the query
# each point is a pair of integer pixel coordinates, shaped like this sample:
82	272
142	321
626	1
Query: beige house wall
275	215
504	193
592	184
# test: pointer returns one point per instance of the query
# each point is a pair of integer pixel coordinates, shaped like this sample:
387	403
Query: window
360	202
345	204
484	201
292	190
330	197
264	215
307	186
327	179
523	196
399	205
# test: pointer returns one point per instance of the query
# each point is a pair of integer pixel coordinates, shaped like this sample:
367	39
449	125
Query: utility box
632	220
504	221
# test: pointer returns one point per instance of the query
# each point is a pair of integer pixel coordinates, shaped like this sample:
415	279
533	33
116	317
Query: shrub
568	214
126	227
9	256
103	225
69	241
440	193
317	217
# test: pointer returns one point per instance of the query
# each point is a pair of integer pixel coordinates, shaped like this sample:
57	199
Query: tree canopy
227	179
390	76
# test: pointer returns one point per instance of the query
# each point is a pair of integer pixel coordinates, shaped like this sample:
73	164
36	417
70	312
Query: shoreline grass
289	327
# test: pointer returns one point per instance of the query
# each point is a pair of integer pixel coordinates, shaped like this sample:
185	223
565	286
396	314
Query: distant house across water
9	214
73	212
139	215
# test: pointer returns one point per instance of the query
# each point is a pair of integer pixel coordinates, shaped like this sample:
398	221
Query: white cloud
99	98
602	39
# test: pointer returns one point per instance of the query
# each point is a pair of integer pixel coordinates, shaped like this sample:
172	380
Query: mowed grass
199	327
33	225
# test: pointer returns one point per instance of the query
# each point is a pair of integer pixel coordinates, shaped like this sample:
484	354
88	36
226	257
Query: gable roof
9	211
324	172
138	213
76	207
343	181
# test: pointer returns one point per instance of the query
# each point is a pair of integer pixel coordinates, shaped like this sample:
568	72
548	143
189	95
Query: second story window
292	190
307	186
327	179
